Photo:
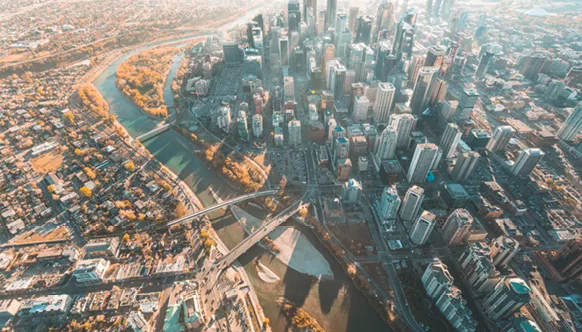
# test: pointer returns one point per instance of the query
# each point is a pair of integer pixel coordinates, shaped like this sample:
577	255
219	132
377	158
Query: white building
224	119
411	204
503	249
389	204
352	191
404	124
386	147
289	86
526	162
450	140
361	105
425	157
90	270
420	231
500	138
294	133
257	125
384	102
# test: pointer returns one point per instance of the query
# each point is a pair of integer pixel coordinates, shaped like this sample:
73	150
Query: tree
283	182
125	238
180	210
208	244
69	117
266	322
89	172
303	212
79	152
130	166
51	188
86	192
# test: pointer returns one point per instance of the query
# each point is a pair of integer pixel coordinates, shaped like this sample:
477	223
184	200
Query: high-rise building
466	164
503	249
505	298
422	162
423	89
484	64
257	125
361	105
384	102
438	283
572	126
353	18
526	162
389	204
531	65
386	147
338	74
242	125
448	109
416	62
364	29
478	269
422	228
457	227
384	19
330	14
284	51
521	324
289	86
341	148
411	205
232	53
328	55
574	77
342	36
435	56
293	15
404	39
404	124
352	191
450	140
224	119
568	260
294	127
501	137
439	92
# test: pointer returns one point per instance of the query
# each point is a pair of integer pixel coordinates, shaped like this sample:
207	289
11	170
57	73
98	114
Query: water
336	304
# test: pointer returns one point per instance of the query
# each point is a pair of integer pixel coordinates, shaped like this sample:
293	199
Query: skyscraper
389	204
457	227
386	146
501	137
339	77
330	14
503	249
328	54
484	64
411	204
572	126
423	89
526	162
422	228
465	166
404	39
450	140
422	162
364	29
258	125
505	298
439	92
353	18
242	125
361	105
294	15
478	268
284	51
343	35
435	56
404	124
568	260
384	102
384	18
294	133
289	86
341	148
231	52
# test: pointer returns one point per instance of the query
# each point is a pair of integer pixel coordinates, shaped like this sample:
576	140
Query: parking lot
291	164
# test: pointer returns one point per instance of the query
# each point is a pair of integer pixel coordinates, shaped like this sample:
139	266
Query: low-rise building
90	270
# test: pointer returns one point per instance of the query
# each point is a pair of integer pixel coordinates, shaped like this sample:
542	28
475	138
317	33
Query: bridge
162	127
255	237
220	205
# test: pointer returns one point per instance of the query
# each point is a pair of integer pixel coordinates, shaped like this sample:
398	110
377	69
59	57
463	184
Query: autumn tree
86	192
130	166
69	117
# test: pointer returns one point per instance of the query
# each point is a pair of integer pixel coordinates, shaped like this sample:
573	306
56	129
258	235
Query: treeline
78	54
300	318
142	78
93	100
233	170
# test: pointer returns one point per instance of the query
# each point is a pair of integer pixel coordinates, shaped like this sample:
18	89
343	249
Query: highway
219	206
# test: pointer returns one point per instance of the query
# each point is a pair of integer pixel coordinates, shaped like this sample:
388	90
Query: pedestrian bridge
220	205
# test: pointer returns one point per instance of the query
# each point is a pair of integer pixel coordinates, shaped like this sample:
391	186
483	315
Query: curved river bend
336	304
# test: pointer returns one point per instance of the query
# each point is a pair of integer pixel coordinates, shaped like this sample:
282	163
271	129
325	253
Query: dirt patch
48	162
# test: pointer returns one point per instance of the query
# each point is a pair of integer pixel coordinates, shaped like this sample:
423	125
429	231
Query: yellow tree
86	192
69	117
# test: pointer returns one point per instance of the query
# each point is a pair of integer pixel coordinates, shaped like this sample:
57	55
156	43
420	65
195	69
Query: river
336	304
